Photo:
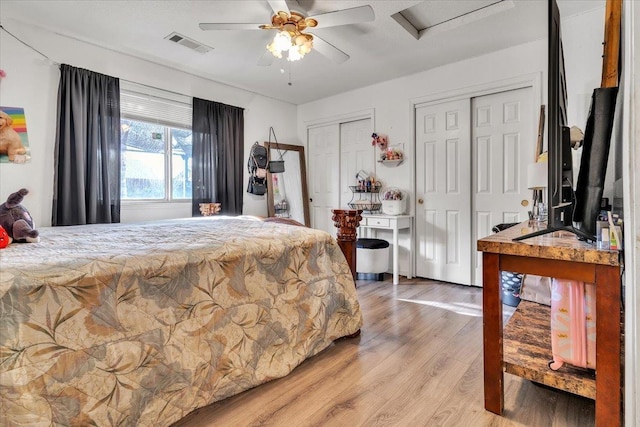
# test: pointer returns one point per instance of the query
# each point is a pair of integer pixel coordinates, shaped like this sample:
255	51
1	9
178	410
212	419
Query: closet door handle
420	201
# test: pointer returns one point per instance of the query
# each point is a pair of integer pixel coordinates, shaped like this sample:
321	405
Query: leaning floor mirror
287	194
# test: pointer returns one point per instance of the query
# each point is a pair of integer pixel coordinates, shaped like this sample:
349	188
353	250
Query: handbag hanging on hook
275	166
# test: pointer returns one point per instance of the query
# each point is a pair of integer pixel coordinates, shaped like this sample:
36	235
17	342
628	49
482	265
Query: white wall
31	83
583	61
392	103
583	64
392	100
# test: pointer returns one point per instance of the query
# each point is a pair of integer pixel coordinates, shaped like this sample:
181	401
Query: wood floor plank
396	345
418	362
391	386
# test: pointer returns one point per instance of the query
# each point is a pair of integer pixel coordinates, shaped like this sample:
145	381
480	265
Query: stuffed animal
15	219
5	240
10	142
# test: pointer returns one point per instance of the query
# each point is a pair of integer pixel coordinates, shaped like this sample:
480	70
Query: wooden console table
559	255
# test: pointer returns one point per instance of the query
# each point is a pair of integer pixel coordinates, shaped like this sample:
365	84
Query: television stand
581	234
562	257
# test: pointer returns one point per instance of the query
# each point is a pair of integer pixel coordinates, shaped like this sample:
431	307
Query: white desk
395	223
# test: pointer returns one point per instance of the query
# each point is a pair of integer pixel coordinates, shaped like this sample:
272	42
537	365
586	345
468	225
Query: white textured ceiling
379	50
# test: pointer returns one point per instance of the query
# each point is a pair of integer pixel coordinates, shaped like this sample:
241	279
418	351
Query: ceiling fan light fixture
304	43
294	24
277	53
297	46
282	40
290	27
294	54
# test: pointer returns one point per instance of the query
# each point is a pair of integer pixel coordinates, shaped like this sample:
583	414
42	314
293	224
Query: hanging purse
275	166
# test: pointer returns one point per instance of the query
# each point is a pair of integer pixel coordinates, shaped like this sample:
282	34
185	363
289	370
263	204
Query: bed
140	324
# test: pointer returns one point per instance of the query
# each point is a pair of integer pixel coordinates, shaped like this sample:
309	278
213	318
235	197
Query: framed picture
14	142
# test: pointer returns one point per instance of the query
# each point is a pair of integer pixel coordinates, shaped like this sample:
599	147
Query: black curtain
218	153
87	151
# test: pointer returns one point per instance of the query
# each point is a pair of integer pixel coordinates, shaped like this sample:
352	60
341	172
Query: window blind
155	106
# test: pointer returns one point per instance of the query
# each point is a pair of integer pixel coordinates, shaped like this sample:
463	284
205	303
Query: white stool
372	259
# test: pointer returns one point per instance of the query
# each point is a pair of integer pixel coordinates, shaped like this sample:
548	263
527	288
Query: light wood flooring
418	362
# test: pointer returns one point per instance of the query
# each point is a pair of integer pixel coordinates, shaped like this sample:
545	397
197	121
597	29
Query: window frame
168	122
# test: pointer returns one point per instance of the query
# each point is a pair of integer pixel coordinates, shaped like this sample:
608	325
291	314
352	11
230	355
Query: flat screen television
560	196
595	156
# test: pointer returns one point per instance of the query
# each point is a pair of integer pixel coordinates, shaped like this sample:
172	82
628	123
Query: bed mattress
140	324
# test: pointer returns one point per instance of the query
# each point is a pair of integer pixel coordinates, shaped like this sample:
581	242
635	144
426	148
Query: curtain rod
141	59
57	64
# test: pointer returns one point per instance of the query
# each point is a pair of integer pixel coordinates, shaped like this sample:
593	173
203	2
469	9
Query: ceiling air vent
187	42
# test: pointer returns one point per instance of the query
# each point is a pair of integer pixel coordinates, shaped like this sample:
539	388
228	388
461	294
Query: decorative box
393	207
393	202
208	209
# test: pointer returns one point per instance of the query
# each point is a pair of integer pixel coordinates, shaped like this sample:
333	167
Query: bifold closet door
356	154
324	175
337	151
443	191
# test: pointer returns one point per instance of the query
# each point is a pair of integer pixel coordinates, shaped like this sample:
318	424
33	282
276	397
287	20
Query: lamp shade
537	176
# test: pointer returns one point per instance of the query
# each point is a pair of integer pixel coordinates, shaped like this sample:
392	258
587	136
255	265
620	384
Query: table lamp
537	176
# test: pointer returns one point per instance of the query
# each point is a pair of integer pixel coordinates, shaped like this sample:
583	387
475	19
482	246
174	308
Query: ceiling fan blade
330	51
266	59
354	15
279	5
228	26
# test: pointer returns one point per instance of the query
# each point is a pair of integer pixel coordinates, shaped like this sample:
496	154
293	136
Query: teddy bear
16	220
10	142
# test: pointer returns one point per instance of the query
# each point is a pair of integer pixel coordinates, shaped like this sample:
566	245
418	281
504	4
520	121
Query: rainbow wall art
19	124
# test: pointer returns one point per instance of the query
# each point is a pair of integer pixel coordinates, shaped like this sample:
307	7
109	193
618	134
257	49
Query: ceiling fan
292	36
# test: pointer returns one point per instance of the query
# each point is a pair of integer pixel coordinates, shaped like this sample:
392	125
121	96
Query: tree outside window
156	161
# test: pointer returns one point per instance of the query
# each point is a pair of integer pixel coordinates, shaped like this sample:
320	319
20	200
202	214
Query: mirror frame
303	179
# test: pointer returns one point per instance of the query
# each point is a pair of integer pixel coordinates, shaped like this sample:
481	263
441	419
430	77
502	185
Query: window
156	148
156	161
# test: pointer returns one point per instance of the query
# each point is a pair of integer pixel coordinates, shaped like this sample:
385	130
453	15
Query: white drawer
378	222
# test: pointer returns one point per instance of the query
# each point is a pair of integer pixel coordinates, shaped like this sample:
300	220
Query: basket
393	207
374	189
365	206
393	202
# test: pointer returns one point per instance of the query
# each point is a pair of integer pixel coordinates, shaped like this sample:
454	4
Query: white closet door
504	139
443	192
324	174
356	154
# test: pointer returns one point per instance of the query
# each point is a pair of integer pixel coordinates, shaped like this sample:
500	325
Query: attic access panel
439	15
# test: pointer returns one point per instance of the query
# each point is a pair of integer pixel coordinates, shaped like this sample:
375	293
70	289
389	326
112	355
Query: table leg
396	278
608	348
411	249
492	334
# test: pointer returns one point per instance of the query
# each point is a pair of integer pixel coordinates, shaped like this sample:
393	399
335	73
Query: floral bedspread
140	324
